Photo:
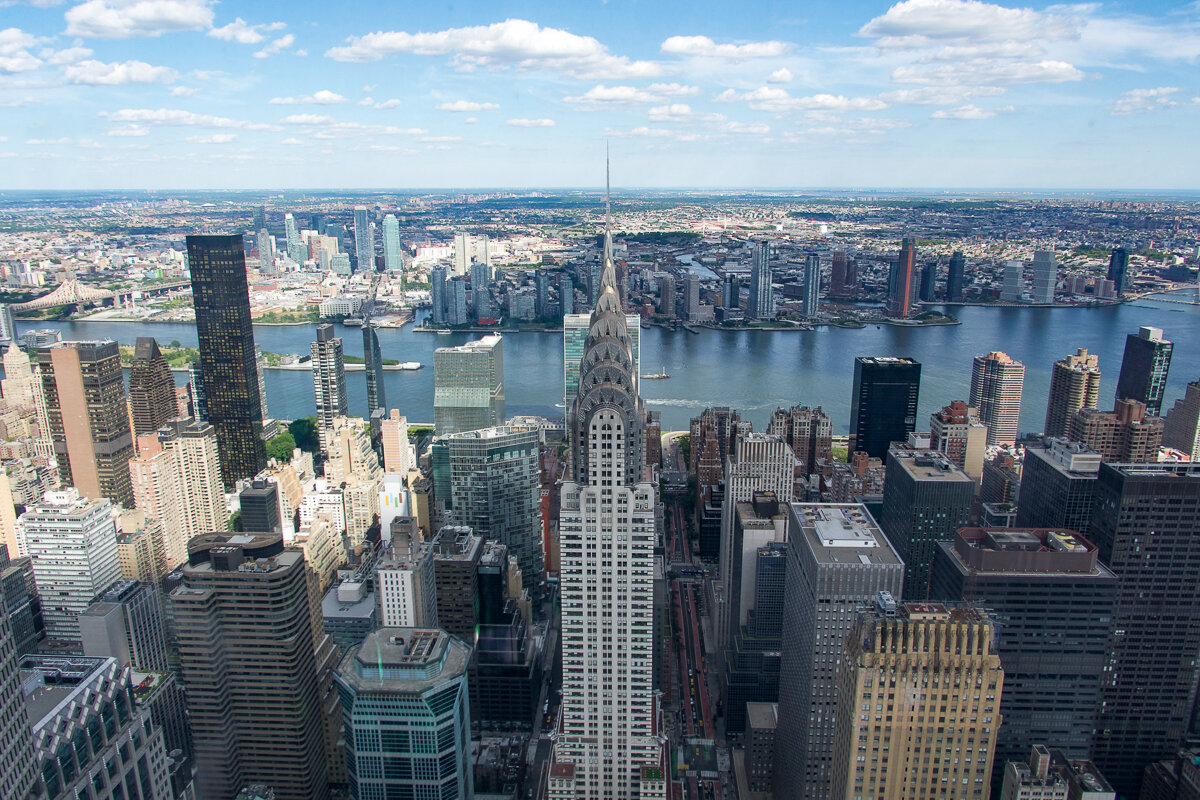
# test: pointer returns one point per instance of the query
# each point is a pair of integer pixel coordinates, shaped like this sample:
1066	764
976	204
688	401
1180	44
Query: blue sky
195	94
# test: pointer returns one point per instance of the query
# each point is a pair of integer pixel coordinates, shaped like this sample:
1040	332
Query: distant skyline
962	94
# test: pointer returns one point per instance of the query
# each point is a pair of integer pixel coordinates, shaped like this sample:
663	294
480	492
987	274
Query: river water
752	371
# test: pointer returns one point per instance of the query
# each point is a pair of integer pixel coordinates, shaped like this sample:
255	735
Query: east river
751	371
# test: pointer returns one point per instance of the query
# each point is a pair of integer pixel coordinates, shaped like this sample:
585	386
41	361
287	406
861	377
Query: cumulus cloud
126	19
673	90
389	103
939	95
614	95
184	91
67	56
321	97
993	73
969	112
292	140
128	131
917	23
781	75
308	119
514	43
179	117
14	51
770	98
50	142
97	73
277	46
214	138
531	123
681	112
704	47
242	32
468	106
1140	101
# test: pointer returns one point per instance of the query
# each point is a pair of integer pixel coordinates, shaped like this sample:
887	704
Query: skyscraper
437	296
221	298
996	384
1145	526
1074	385
462	253
917	660
901	280
1053	599
1045	276
257	666
610	743
811	289
295	248
957	433
955	276
837	274
928	280
1058	482
373	364
1124	434
151	388
491	479
761	303
72	543
1118	269
259	504
1181	428
364	248
18	769
566	294
1144	368
468	386
838	560
883	407
575	331
329	380
1014	281
926	499
397	452
760	462
405	702
84	389
393	259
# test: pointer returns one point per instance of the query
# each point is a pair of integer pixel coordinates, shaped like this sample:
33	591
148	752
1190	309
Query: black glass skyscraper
883	408
1144	523
1118	266
221	298
373	362
1144	369
954	276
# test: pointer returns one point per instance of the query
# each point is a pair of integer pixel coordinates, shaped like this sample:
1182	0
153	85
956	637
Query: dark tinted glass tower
928	280
151	388
1144	369
1052	601
260	508
221	298
373	358
1118	267
1058	481
883	408
954	276
1145	523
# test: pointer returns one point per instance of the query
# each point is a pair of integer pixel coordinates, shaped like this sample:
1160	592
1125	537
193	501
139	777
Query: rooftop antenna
607	190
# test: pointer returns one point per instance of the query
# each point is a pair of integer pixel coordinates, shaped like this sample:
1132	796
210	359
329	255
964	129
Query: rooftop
841	533
926	465
410	660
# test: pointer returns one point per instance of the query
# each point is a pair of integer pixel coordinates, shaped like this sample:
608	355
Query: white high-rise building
462	253
404	581
72	542
329	381
610	742
393	261
761	303
761	462
295	248
1045	276
364	246
176	480
811	286
1014	281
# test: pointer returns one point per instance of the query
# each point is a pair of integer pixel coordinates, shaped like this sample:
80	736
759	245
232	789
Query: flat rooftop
927	465
840	533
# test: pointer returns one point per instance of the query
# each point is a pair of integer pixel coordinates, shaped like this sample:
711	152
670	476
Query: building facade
838	560
221	298
996	384
84	391
1144	368
1074	385
329	381
468	386
883	406
151	388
